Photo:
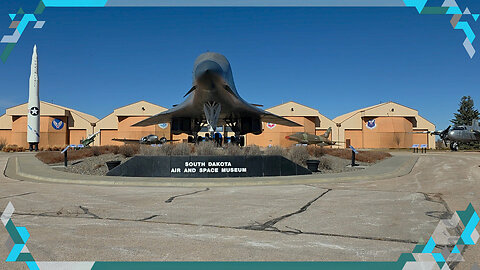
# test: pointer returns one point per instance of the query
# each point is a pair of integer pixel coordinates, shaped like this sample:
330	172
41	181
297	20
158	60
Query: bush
129	150
325	164
252	150
11	148
3	143
362	156
148	150
181	149
275	151
316	151
96	151
298	154
208	148
233	150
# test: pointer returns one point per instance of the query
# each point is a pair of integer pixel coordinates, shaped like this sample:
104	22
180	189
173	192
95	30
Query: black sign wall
208	166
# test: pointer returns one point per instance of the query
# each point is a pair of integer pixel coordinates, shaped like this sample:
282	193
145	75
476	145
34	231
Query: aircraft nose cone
287	137
208	66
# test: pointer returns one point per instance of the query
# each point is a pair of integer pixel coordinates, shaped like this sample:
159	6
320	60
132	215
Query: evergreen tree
466	113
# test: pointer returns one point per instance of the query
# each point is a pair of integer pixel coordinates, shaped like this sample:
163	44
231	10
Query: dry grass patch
362	156
51	157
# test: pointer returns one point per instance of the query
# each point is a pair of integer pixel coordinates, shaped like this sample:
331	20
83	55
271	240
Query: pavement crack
291	231
17	195
187	194
87	212
437	198
147	218
269	225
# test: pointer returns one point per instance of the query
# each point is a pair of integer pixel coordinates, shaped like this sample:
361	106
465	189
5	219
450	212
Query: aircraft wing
166	116
126	140
272	118
163	117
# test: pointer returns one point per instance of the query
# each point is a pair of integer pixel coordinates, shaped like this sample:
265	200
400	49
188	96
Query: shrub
181	149
252	150
325	164
316	151
96	151
148	150
298	154
362	156
207	148
234	150
11	148
3	143
115	149
129	150
275	151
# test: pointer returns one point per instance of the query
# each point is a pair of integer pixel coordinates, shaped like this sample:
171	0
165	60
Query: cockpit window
459	128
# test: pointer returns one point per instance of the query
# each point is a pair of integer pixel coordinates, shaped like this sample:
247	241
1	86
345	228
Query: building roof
139	108
293	108
49	109
379	110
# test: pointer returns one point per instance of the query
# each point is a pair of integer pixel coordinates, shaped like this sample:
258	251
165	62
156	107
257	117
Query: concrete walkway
28	167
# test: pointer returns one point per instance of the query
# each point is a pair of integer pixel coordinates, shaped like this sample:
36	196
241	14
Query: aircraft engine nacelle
250	125
181	125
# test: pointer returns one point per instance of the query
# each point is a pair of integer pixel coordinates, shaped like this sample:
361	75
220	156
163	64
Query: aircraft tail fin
475	124
327	133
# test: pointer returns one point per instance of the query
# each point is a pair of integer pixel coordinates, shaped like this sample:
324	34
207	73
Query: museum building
386	125
312	122
119	123
59	126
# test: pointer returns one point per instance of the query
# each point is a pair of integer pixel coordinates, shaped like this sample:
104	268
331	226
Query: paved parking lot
366	220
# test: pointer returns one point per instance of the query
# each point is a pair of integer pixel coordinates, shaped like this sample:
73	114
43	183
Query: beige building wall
310	119
76	135
395	127
119	124
13	125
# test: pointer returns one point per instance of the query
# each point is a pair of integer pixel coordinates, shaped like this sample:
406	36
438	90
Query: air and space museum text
208	167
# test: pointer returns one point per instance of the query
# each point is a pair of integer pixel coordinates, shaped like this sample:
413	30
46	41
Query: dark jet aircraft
149	139
458	134
306	138
213	101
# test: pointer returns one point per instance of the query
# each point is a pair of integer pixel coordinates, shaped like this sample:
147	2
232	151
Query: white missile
33	119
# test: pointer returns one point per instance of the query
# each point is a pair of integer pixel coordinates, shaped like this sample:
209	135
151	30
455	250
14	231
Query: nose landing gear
453	146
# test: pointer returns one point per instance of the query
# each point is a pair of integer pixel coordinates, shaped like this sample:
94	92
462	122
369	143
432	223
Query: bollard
353	159
66	158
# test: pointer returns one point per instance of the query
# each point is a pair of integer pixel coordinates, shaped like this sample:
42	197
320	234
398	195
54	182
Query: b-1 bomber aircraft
213	101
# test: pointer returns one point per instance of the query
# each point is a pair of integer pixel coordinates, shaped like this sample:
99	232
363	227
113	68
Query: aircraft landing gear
195	138
212	113
238	140
453	146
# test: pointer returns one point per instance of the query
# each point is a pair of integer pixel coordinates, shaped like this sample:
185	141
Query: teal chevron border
449	7
441	250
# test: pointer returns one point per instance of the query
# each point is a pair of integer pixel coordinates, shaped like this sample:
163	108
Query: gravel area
96	165
332	164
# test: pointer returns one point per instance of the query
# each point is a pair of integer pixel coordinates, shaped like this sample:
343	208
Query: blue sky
333	59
